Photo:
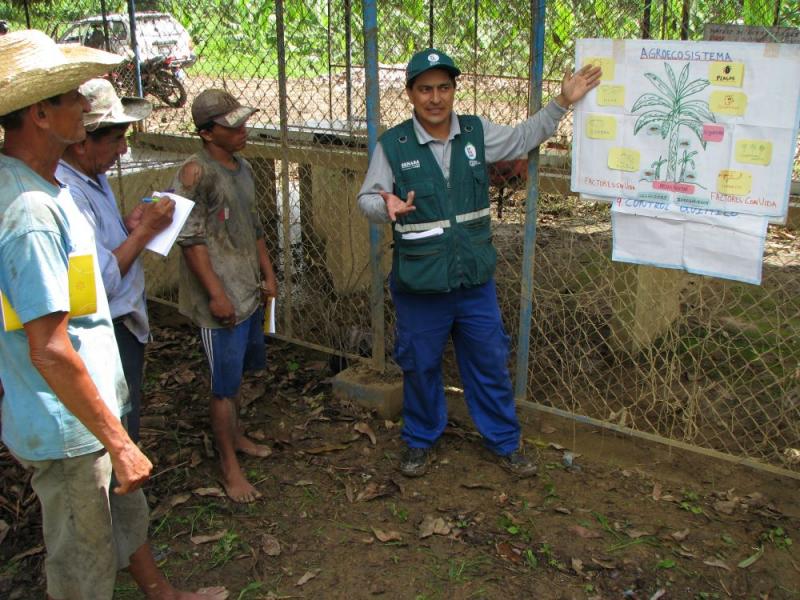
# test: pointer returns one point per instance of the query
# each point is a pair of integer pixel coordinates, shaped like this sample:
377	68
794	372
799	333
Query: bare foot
207	593
239	489
246	445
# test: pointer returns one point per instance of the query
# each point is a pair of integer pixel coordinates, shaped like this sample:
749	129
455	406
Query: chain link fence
706	362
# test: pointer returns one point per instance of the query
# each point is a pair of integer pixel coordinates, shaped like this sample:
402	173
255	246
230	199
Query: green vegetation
239	37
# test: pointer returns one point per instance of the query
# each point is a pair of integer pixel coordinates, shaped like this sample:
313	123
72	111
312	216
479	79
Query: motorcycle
160	78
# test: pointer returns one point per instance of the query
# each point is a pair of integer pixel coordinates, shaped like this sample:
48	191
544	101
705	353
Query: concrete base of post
376	391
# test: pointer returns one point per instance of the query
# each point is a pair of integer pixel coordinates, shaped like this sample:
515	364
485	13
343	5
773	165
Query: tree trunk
672	156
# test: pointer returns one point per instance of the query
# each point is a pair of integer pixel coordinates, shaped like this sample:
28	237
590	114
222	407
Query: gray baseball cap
106	108
218	106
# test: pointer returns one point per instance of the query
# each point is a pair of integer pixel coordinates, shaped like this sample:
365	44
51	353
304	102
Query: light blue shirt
40	228
94	198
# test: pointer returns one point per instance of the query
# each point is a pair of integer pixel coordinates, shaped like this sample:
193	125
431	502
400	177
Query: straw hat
106	108
33	67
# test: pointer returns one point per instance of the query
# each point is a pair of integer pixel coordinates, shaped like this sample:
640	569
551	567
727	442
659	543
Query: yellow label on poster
735	183
605	63
753	152
730	74
611	95
623	159
82	292
728	103
600	127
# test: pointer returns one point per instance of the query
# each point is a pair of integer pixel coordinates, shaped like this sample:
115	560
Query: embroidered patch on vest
470	151
409	164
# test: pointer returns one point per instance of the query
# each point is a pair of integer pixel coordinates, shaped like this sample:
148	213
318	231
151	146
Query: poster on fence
704	124
704	241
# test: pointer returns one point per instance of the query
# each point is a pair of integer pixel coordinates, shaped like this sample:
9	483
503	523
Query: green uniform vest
425	261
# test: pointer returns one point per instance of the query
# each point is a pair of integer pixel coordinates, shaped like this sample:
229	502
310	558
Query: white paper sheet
269	316
162	243
707	242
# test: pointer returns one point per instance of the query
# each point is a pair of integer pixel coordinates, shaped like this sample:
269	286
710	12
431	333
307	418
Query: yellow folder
82	292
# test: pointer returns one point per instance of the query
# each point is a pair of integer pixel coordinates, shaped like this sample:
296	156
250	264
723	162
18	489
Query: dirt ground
607	517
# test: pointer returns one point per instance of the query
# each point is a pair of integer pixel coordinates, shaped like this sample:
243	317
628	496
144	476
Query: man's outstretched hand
397	207
576	86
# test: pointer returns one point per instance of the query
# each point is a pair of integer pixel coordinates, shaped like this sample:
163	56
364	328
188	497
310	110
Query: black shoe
415	462
518	464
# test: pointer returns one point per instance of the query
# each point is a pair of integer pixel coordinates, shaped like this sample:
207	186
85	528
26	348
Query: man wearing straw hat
63	381
119	241
428	177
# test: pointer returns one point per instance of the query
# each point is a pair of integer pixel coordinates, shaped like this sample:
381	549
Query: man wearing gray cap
428	176
226	273
120	242
59	364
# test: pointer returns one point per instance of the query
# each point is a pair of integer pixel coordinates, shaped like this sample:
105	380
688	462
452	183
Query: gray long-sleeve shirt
501	142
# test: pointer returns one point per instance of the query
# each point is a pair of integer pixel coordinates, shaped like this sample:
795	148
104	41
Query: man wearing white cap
226	273
119	241
64	388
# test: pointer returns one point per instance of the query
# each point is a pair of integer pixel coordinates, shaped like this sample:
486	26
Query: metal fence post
288	270
529	247
375	235
135	46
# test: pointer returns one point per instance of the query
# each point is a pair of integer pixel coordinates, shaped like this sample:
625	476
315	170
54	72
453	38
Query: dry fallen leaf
211	537
605	563
307	577
386	536
546	429
374	490
716	562
726	507
636	533
209	491
209	449
349	493
656	492
26	553
477	486
433	525
508	552
270	544
195	458
304	483
584	533
577	565
166	505
679	536
326	448
3	530
217	592
367	431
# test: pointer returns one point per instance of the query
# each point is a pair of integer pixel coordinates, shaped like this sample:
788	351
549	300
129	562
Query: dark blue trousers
472	318
131	352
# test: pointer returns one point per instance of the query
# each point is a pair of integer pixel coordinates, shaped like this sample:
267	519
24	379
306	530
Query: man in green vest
428	176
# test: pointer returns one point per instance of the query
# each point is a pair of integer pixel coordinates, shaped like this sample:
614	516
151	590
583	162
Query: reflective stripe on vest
462	218
473	216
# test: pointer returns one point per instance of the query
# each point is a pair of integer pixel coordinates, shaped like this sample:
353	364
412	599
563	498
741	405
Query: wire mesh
706	361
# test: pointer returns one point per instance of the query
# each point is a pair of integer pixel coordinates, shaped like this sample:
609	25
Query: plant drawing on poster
668	111
704	124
